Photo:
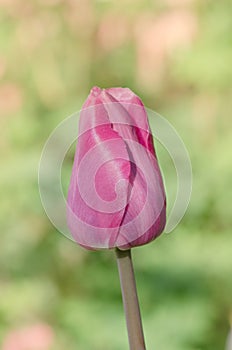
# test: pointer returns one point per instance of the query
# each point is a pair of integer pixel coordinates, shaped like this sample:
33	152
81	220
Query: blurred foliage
176	54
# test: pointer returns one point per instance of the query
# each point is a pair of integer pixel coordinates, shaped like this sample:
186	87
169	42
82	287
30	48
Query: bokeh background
176	54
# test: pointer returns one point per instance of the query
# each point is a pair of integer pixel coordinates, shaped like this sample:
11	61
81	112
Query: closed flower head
116	195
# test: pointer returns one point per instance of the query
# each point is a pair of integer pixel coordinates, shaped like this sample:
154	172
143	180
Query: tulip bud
116	195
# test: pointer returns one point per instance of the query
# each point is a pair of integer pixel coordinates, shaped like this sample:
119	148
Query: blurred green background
176	55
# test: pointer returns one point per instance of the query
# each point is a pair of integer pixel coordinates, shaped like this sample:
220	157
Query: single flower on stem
116	197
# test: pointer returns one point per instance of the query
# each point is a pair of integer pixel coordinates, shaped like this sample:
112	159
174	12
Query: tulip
116	195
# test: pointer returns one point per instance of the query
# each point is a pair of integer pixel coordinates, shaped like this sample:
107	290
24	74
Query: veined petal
144	218
99	186
145	215
131	111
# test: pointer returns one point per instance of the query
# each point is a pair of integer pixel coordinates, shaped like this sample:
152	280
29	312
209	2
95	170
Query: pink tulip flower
116	196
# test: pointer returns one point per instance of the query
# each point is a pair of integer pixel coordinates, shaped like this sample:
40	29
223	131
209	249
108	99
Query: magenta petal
99	187
131	111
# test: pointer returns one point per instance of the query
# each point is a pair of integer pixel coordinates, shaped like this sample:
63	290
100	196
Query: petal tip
95	91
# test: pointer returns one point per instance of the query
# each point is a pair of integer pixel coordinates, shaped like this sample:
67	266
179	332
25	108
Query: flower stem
130	300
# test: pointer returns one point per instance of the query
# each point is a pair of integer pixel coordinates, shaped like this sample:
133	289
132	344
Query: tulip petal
138	229
132	112
99	148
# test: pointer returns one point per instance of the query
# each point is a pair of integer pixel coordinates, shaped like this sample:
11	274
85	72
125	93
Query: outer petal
136	114
101	161
145	215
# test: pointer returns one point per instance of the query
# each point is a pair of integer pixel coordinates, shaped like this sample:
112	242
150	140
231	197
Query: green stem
130	300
